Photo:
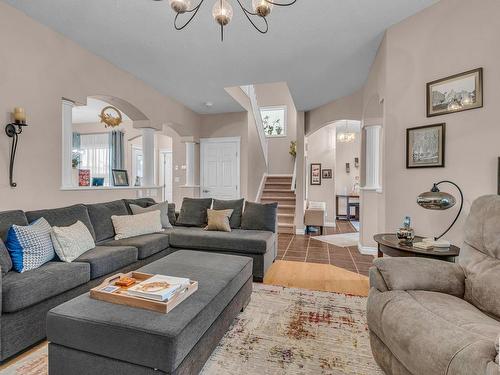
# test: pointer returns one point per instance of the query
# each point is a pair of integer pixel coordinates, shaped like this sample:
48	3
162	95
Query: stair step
278	190
283	179
277	199
286	219
286	228
286	210
280	194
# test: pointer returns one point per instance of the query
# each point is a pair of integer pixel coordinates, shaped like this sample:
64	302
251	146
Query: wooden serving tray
121	298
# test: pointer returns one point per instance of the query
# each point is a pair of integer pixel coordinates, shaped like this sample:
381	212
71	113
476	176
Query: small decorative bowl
406	235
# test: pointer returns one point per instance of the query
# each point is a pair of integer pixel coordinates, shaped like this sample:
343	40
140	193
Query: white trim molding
367	250
300	231
261	187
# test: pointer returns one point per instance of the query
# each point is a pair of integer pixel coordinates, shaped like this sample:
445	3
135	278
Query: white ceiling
323	49
89	114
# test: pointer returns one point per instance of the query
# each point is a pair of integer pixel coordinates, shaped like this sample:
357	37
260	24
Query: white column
372	166
67	143
190	159
148	156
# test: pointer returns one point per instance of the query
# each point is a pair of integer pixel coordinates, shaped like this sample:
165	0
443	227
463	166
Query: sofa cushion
146	244
235	205
164	340
162	207
100	217
259	216
172	216
5	260
8	218
194	212
64	216
238	240
21	290
141	202
453	336
30	246
72	241
106	259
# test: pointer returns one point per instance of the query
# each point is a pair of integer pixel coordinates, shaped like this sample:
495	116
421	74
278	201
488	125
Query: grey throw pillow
194	212
5	260
162	207
171	213
235	205
259	216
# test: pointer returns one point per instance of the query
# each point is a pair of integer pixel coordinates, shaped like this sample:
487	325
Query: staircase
279	189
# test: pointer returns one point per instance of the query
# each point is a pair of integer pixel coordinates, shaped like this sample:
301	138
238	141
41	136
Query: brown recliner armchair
431	317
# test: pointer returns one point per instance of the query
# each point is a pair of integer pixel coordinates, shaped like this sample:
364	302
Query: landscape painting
457	93
425	146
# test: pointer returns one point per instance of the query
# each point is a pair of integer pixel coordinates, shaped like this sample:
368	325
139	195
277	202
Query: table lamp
438	200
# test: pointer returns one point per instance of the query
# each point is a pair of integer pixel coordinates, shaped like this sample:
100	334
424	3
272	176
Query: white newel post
190	159
373	156
67	143
148	154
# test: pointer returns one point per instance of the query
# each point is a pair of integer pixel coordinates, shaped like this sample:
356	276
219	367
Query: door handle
206	191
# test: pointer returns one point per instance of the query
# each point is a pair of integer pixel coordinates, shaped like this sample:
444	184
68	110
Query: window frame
284	108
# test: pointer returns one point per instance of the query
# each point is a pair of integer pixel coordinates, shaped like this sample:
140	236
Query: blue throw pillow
30	246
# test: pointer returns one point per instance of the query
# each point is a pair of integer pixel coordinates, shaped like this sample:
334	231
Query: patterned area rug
282	331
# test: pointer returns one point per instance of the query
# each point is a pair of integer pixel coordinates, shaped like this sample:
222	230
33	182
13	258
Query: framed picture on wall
326	174
425	146
459	92
315	178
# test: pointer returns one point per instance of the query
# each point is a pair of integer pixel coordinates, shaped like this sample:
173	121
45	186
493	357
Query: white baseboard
300	231
329	224
280	175
367	250
261	187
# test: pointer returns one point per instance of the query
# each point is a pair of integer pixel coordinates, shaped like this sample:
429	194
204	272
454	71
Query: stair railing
294	176
252	95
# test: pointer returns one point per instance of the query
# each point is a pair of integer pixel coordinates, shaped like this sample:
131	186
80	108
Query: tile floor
300	248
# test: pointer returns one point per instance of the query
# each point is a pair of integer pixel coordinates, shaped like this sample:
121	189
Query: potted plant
293	149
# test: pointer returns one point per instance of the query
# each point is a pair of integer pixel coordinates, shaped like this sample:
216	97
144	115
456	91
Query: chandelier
222	12
346	137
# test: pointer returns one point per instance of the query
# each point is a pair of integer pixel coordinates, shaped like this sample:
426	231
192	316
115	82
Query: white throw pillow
134	225
162	207
71	242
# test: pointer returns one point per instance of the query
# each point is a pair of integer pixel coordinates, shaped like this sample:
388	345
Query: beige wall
433	44
38	67
278	94
346	108
321	149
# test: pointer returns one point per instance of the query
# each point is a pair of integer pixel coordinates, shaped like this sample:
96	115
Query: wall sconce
13	130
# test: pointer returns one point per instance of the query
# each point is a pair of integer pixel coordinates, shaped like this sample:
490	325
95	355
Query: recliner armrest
417	274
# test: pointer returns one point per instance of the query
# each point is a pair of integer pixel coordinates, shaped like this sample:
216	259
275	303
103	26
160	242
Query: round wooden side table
390	245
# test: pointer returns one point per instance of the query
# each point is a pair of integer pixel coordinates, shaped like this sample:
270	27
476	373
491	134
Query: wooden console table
390	245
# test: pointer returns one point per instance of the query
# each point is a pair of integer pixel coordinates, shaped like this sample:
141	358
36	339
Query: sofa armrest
417	274
497	344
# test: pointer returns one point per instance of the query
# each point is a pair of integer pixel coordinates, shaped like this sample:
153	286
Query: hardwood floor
304	262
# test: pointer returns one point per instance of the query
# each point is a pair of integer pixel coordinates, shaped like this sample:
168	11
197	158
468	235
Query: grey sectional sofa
27	297
431	317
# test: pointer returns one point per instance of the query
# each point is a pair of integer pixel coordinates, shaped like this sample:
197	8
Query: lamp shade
436	200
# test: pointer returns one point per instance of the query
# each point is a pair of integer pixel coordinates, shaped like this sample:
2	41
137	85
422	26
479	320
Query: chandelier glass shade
222	12
346	136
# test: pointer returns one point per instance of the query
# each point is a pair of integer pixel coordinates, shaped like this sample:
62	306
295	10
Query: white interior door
220	168
166	174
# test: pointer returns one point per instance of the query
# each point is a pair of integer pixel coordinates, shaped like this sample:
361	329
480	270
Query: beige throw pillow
71	242
134	225
162	207
218	220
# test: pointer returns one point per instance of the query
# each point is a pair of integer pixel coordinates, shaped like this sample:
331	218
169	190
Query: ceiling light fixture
222	12
346	136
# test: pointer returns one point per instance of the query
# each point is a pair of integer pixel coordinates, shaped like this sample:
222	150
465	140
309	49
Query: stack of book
159	288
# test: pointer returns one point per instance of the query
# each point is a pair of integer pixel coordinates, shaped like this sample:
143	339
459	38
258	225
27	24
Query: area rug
282	331
341	240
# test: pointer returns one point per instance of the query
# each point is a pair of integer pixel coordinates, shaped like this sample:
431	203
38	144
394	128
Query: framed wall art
456	93
315	178
425	146
326	174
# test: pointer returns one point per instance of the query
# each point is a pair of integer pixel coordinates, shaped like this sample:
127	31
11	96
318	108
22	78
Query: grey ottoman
87	336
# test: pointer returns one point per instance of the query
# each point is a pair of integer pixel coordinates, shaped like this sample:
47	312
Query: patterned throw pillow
30	246
71	242
127	226
218	220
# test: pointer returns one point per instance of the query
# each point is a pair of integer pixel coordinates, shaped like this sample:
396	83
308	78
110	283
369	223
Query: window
95	155
274	121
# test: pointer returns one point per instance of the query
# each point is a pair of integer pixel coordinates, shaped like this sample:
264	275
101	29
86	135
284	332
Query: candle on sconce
19	115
